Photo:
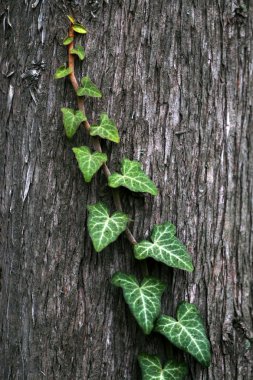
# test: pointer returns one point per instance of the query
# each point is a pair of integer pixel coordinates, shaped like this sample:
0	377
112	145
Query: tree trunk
177	78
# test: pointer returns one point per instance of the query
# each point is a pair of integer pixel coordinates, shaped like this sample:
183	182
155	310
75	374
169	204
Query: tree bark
177	78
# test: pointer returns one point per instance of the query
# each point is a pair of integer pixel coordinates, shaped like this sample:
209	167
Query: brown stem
96	142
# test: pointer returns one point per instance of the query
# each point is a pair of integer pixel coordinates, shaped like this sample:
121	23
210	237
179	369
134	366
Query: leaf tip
114	279
155	191
207	362
191	268
79	92
71	19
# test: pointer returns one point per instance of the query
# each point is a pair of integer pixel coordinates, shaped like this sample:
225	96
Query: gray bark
177	78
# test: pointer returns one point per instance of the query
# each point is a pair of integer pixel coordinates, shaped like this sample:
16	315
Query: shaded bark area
177	79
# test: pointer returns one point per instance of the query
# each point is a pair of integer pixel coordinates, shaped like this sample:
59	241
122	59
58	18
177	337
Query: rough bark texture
177	78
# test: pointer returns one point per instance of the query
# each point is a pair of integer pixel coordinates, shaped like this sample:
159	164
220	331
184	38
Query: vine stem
97	147
96	142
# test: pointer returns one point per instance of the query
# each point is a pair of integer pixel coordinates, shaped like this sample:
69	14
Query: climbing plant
187	331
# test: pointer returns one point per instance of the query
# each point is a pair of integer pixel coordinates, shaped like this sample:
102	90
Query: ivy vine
187	331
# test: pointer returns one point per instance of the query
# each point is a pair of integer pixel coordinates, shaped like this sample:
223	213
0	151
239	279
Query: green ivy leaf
106	130
89	163
187	332
71	120
103	228
88	88
133	178
165	247
78	50
71	19
62	72
143	300
67	40
152	369
78	28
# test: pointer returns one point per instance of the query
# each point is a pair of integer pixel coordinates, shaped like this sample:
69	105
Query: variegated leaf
186	332
165	247
106	129
133	177
144	300
89	163
88	88
152	369
103	228
71	120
